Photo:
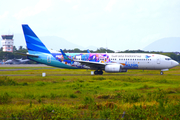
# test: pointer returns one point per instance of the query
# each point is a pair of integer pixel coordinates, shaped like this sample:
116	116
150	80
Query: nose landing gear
98	72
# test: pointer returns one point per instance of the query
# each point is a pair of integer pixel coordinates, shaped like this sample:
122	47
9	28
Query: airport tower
7	43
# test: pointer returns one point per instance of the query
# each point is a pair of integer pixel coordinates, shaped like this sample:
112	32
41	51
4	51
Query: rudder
32	41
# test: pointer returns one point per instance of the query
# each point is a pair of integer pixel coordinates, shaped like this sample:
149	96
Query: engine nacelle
114	68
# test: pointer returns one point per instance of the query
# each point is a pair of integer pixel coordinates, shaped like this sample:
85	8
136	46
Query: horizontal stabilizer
24	54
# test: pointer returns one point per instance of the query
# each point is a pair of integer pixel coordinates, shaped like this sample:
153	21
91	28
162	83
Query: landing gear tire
161	73
100	72
96	72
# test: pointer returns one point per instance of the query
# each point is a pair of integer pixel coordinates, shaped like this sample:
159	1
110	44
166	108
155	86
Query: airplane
16	61
108	62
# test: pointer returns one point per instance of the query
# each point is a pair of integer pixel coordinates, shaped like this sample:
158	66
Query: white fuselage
143	60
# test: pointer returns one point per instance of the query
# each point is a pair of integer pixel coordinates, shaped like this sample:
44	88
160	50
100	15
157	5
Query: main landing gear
98	72
161	73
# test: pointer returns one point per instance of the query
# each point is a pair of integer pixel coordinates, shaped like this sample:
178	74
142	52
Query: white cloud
41	6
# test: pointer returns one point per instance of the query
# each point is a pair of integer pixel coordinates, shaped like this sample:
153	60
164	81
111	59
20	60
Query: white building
7	43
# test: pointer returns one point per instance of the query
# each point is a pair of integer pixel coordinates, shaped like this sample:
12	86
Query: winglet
64	55
88	51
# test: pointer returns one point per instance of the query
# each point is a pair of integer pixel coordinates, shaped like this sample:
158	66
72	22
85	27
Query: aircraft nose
174	63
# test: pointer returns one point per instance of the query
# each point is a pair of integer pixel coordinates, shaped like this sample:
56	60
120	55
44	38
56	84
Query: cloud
41	6
4	15
110	4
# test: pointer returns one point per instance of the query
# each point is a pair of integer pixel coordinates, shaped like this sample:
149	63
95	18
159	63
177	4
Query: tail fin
32	41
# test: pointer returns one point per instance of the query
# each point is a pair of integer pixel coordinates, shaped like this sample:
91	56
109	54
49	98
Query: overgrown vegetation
73	94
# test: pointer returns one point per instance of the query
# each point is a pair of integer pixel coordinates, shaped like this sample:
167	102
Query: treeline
100	50
9	55
14	55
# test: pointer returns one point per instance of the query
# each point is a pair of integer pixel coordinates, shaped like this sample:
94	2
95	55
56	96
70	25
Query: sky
116	24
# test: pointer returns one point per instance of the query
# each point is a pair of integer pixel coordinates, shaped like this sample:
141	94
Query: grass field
75	94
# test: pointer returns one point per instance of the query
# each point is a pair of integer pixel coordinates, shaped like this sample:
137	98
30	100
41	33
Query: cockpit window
167	58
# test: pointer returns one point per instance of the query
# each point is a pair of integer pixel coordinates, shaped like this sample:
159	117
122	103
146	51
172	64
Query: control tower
7	43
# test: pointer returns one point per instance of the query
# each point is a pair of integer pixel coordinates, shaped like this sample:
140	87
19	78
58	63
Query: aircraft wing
92	64
24	54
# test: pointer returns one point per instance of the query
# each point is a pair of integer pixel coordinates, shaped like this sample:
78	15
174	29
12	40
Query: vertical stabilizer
32	41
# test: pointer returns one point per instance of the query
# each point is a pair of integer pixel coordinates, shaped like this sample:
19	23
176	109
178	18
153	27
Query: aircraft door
48	59
158	60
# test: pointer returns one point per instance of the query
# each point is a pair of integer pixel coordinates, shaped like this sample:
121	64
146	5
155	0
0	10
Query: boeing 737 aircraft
108	62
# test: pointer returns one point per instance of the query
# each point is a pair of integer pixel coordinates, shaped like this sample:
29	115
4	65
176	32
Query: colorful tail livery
108	62
32	41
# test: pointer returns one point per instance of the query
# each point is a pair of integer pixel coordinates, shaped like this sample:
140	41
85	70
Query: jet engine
114	68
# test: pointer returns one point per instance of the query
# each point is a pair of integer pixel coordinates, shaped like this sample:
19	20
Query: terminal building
7	43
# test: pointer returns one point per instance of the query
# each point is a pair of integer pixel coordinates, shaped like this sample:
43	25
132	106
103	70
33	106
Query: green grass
75	94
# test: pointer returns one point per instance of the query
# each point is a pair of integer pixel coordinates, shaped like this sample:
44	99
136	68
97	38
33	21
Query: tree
20	47
14	48
77	50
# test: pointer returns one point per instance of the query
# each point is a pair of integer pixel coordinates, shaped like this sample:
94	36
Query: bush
99	78
39	83
72	96
4	80
88	100
5	98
